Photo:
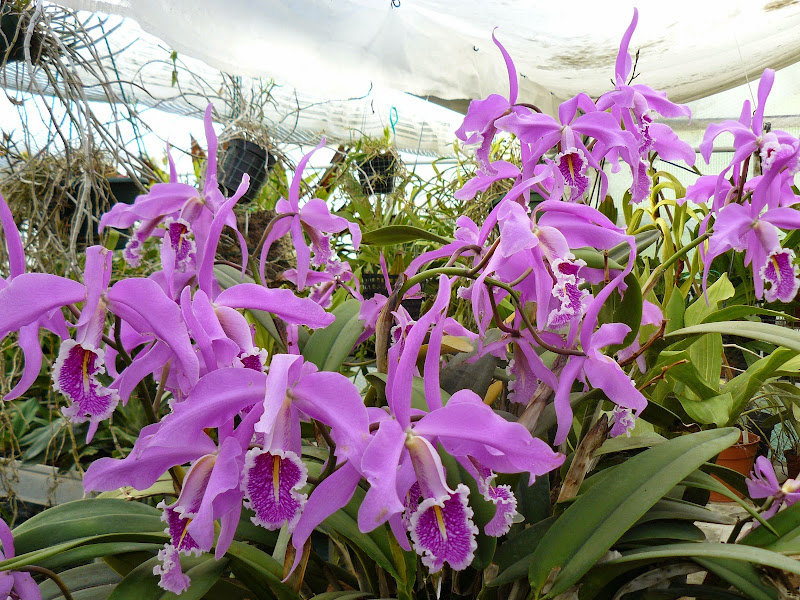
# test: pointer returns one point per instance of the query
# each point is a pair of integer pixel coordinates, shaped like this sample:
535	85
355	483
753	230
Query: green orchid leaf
602	514
765	332
328	348
400	234
94	578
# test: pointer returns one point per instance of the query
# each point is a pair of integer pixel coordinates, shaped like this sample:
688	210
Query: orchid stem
268	230
160	391
118	340
658	273
50	575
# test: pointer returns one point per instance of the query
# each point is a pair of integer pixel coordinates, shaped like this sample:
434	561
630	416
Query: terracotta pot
792	464
739	457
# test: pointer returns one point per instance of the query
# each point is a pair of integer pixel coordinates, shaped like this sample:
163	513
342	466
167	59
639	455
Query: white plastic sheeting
442	48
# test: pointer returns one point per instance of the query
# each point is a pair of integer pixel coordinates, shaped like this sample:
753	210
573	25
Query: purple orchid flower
634	106
177	213
763	483
14	584
543	132
28	334
437	517
623	422
140	302
743	227
480	123
599	371
749	135
314	218
210	492
325	283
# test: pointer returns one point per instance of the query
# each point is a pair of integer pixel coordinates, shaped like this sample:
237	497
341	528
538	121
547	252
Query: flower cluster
539	275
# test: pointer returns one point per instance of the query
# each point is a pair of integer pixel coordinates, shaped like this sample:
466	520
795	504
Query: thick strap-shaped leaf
328	348
400	234
600	516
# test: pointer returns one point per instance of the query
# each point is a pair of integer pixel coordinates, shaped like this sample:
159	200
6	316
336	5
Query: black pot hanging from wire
240	157
377	173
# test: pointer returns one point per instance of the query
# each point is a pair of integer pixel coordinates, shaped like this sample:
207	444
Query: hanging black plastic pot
123	190
240	157
12	37
374	283
376	174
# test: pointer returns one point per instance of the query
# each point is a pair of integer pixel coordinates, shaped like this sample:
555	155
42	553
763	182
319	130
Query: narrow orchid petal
608	334
228	525
277	385
379	466
481	181
457	420
785	218
764	87
658	102
217	498
316	214
333	399
149	459
401	377
25	587
32	295
763	482
16	253
144	303
739	131
330	495
32	351
669	146
233	324
563	408
197	331
146	362
607	375
96	277
6	540
515	229
624	63
205	273
433	394
279	228
532	128
604	127
513	84
163	199
280	302
294	188
217	398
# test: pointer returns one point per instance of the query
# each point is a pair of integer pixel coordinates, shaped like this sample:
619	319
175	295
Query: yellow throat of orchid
276	477
437	510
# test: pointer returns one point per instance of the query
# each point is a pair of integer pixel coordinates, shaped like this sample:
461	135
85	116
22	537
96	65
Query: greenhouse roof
352	65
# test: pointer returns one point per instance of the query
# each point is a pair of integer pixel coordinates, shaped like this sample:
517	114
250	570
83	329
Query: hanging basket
240	157
377	174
